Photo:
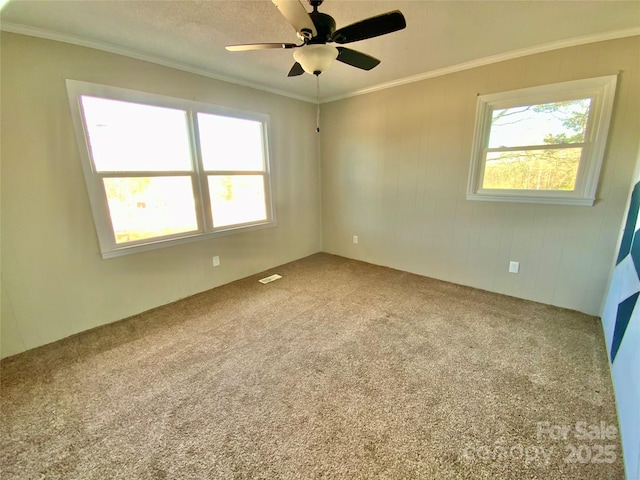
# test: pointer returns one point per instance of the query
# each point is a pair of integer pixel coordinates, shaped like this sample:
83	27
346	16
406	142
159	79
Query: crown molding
138	55
571	42
75	40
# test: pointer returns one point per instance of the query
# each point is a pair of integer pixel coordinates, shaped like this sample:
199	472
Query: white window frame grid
198	174
601	91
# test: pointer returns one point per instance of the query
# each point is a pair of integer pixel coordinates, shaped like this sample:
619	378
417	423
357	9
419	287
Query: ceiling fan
316	30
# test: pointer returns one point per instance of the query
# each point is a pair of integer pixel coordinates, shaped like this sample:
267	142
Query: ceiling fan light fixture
315	58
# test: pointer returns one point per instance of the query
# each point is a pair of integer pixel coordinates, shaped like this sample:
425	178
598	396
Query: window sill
519	198
196	237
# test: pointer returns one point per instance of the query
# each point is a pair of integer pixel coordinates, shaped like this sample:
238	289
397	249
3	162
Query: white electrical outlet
514	267
216	261
355	239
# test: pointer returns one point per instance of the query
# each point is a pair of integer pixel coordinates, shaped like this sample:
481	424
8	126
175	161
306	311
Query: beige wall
394	172
54	282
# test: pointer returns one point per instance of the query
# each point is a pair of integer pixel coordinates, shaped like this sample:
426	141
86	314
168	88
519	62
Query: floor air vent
270	279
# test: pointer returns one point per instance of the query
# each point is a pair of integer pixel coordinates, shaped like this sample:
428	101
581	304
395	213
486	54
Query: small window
162	171
543	144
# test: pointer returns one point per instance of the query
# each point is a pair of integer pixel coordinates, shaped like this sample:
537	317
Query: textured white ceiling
440	35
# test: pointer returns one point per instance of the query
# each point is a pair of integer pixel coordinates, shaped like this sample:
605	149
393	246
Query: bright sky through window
230	143
531	124
128	137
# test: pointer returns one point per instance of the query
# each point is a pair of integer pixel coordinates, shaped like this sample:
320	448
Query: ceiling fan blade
258	46
370	27
297	16
296	70
356	59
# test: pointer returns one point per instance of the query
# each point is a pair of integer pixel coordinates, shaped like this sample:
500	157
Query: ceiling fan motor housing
325	26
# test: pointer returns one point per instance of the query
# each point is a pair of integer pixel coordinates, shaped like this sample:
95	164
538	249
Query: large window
542	144
161	170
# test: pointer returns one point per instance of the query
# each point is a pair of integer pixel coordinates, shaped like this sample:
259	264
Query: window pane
532	169
127	137
230	143
148	207
549	123
237	199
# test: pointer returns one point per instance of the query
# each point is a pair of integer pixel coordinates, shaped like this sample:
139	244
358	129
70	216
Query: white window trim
99	205
600	89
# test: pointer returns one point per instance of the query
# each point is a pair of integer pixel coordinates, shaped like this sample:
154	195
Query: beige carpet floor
340	370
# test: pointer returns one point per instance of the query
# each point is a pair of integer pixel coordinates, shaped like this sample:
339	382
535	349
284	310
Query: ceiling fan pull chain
318	103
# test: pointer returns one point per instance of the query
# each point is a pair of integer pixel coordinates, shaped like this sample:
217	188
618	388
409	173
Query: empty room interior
400	244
